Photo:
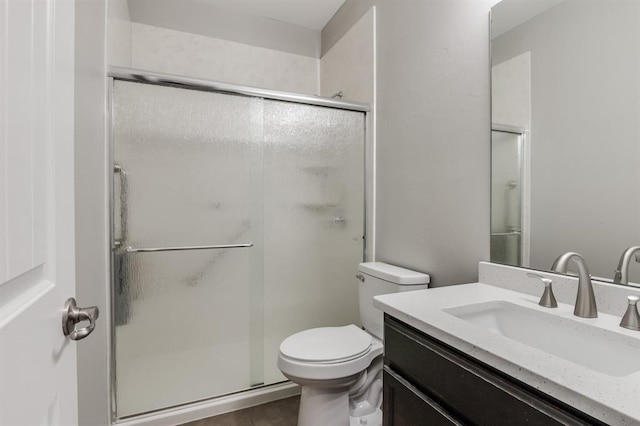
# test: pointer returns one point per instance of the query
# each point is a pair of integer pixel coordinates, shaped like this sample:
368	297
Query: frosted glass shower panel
313	220
183	327
188	166
189	157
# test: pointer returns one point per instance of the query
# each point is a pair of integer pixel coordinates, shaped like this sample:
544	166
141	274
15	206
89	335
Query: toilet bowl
332	364
339	369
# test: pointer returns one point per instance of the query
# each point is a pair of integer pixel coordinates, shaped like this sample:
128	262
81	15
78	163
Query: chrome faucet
622	272
585	300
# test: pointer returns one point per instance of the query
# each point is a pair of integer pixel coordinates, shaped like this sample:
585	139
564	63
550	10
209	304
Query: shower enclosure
237	220
508	244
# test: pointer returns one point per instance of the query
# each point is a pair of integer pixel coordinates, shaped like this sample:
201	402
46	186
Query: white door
37	362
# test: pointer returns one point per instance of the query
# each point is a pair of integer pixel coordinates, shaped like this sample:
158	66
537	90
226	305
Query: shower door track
132	74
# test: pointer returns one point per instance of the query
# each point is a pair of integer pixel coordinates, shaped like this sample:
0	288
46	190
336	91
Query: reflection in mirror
566	73
507	196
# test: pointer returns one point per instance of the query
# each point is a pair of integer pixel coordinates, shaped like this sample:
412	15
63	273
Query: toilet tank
378	278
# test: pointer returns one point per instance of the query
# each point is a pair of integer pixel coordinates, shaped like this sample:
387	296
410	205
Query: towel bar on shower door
158	249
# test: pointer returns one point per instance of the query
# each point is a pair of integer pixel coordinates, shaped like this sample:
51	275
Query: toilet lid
327	344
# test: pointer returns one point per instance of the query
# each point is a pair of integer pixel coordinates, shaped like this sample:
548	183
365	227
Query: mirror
566	132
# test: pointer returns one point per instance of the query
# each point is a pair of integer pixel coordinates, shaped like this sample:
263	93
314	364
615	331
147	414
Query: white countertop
613	400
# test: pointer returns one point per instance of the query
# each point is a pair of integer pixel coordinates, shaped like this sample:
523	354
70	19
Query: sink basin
593	347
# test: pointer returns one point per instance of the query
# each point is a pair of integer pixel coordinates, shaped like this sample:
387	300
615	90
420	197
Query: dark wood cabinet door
404	405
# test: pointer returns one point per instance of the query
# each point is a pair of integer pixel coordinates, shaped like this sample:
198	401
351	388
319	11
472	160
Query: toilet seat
328	353
327	344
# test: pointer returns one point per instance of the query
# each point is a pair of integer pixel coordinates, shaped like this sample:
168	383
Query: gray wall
433	132
90	209
212	21
585	110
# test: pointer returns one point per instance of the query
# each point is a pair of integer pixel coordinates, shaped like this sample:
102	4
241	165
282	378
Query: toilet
339	369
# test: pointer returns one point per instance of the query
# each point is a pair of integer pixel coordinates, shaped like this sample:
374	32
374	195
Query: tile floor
278	413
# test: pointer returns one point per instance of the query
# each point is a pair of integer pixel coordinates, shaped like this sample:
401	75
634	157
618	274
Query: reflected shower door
506	197
188	173
313	220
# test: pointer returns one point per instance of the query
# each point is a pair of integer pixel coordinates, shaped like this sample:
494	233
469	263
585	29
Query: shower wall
118	33
348	66
133	44
193	55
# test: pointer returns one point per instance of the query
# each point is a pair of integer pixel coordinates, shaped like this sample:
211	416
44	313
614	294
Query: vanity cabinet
428	382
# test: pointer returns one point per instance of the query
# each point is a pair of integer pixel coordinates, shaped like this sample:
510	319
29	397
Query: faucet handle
631	318
547	300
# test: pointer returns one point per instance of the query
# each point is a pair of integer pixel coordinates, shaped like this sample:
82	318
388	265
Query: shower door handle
123	194
186	248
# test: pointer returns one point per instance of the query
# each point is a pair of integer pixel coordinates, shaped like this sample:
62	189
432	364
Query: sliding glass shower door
313	220
189	166
236	222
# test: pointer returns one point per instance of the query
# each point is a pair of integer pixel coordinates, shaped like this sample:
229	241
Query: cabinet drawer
469	390
406	405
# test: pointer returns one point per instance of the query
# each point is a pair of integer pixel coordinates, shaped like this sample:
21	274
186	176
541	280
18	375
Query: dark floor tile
278	413
283	412
237	418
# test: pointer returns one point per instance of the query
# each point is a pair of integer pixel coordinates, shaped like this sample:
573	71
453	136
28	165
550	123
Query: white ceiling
312	14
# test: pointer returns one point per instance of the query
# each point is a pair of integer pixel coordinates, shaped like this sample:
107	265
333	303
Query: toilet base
322	407
330	403
373	419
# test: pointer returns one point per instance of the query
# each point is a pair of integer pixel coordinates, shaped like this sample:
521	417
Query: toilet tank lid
394	274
